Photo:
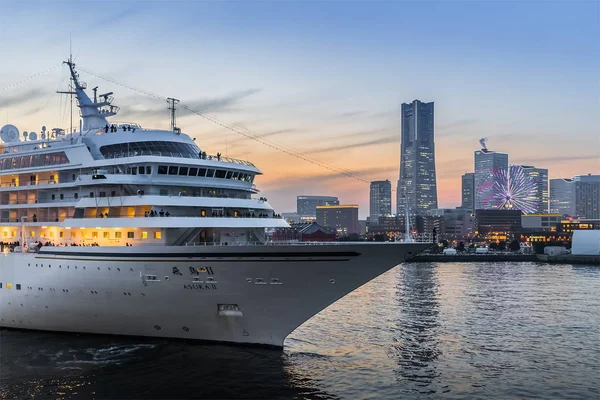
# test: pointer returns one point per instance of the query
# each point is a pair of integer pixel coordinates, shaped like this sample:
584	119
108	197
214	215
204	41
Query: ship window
134	171
235	175
154	148
62	196
220	174
173	170
157	235
193	172
18	286
129	235
113	193
61	234
142	170
117	235
102	194
210	173
144	235
164	192
53	197
162	169
183	171
76	195
106	235
229	174
91	195
202	172
34	161
148	170
94	235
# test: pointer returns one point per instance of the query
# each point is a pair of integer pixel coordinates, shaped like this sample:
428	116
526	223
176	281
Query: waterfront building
343	219
417	188
486	161
304	232
587	196
540	222
562	196
498	224
468	191
306	206
459	223
573	224
380	203
539	197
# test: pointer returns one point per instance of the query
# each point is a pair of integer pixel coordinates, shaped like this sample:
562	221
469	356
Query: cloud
150	108
383	140
351	114
16	99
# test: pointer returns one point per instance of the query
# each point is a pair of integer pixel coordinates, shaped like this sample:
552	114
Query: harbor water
422	330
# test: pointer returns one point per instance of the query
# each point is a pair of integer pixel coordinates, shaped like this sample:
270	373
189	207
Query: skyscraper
485	162
380	199
306	206
540	179
587	196
468	191
417	189
562	196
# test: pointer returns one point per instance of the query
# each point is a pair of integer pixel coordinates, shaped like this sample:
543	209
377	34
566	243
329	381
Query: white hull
108	290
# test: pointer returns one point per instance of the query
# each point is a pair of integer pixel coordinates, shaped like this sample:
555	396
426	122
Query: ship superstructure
126	230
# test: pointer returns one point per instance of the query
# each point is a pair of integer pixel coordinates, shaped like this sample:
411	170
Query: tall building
587	196
539	176
380	203
562	196
468	191
343	219
306	206
485	162
417	189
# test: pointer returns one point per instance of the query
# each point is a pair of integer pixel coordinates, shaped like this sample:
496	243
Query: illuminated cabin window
32	233
73	234
106	235
51	234
61	234
129	235
203	213
13	234
94	235
144	235
5	234
117	235
157	235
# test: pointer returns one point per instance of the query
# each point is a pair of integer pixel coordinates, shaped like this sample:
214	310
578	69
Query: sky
325	79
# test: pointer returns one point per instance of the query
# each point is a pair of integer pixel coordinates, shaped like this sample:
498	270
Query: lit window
129	235
61	234
144	235
157	235
32	233
117	235
106	235
73	234
94	235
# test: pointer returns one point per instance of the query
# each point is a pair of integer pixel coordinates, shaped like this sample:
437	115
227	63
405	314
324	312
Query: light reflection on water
419	331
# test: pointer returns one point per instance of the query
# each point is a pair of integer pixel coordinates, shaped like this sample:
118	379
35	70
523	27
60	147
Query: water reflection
416	343
53	365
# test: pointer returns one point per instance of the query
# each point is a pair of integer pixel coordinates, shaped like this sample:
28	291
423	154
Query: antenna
70	92
172	105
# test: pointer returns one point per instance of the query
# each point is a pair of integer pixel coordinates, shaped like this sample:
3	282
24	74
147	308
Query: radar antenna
172	106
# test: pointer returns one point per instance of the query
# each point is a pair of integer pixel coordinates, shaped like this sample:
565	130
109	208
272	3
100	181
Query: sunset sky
326	79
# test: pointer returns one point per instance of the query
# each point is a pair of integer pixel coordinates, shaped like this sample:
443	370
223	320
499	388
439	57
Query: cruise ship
118	229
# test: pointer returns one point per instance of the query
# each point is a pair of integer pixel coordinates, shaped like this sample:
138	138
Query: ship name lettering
199	286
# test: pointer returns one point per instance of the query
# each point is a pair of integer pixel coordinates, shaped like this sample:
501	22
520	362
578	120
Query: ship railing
126	154
415	238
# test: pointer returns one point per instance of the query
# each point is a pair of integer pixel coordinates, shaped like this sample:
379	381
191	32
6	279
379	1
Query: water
452	331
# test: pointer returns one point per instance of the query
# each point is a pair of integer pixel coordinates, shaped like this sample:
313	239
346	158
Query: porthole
119	269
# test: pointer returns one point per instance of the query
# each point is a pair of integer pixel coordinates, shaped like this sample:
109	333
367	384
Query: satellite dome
9	134
32	136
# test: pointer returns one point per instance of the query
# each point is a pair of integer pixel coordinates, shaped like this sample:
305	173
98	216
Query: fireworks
509	189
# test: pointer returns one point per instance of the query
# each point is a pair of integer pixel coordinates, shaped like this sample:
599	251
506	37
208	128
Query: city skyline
491	84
